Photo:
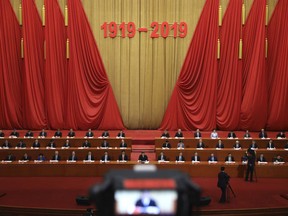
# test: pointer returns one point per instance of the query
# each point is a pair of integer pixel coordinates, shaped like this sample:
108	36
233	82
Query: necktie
195	158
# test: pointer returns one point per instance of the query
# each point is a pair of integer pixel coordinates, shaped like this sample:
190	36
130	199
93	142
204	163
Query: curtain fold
34	113
193	101
229	87
56	78
254	105
90	97
277	64
10	68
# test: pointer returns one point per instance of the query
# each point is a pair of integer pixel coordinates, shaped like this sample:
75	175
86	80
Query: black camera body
160	192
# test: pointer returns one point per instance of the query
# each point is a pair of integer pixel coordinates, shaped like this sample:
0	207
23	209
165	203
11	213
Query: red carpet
60	192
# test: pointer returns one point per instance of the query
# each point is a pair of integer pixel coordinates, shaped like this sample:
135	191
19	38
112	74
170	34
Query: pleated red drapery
34	114
56	65
277	61
229	89
90	96
10	68
193	101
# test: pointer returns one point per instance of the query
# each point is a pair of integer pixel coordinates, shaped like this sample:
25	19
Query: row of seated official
231	135
73	157
58	134
52	144
220	144
212	158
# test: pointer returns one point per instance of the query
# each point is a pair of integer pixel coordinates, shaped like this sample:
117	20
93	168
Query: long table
97	168
220	154
228	143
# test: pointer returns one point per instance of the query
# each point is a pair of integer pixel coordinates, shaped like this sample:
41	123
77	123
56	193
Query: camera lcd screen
146	202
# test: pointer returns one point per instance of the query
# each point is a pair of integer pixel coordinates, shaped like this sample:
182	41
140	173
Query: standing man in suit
250	165
223	179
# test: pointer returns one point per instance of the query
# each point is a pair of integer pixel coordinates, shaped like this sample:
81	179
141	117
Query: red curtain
10	68
255	96
56	65
90	97
193	101
278	67
33	74
230	69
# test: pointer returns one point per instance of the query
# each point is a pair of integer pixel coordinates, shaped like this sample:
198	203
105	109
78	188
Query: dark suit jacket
123	145
2	134
231	135
103	158
104	145
125	157
70	158
36	145
71	134
51	145
179	134
227	158
278	135
165	135
223	179
58	134
43	134
272	145
220	146
28	158
263	135
197	134
10	158
177	158
234	146
105	134
54	157
90	135
202	146
210	158
88	144
7	146
92	157
29	134
263	159
166	145
247	135
164	157
14	134
255	146
21	145
143	158
121	134
193	158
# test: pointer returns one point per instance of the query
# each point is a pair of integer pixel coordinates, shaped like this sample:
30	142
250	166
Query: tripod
229	188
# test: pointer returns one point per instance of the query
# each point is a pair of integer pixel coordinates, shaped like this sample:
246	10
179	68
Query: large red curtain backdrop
278	67
91	99
193	101
10	68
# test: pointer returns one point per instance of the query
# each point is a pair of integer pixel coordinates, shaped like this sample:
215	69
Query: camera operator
223	179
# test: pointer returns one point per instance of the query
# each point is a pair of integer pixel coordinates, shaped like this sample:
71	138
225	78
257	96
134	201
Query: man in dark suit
179	134
278	159
162	157
281	135
237	145
232	135
89	134
142	157
270	144
58	134
86	144
219	145
229	158
105	144
123	144
247	135
10	157
51	144
73	157
262	158
2	134
212	158
42	134
36	144
123	156
165	134
89	157
26	157
105	157
71	134
21	144
254	145
66	144
56	156
166	144
223	179
6	144
105	134
195	157
263	134
180	157
197	134
200	144
14	134
250	164
121	134
29	134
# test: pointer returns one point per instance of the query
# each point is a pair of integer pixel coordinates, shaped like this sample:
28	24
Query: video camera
143	192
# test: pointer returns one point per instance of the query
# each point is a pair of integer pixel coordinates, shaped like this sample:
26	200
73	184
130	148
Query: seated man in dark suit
212	158
281	135
286	146
66	144
14	134
121	134
29	134
180	157
270	144
195	157
162	157
142	157
42	134
6	145
26	157
166	144
36	144
105	144
180	144
219	145
89	157
105	134
89	134
263	134
105	157
261	158
51	144
200	144
56	156
2	134
179	134
231	135
278	159
123	156
165	134
86	144
58	134
71	134
197	134
237	145
123	144
254	145
73	157
247	135
10	157
21	144
229	158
